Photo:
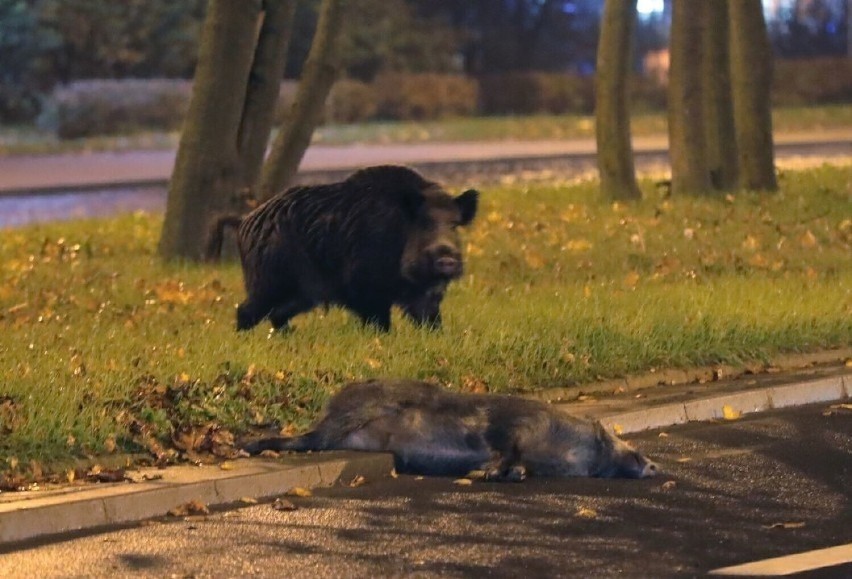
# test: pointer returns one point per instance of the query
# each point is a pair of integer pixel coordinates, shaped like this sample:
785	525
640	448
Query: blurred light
647	7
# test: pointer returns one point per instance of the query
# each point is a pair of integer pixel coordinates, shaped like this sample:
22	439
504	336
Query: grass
22	140
107	349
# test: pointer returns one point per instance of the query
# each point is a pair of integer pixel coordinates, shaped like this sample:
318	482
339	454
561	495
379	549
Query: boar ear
467	203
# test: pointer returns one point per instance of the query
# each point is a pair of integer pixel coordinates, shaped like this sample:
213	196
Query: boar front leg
424	309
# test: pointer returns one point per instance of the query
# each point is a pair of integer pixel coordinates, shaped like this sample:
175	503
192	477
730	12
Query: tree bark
206	173
319	74
687	148
264	84
718	108
751	79
612	116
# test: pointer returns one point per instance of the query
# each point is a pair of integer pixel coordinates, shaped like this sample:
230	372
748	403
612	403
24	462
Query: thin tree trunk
320	72
751	79
263	87
718	107
690	172
206	173
612	126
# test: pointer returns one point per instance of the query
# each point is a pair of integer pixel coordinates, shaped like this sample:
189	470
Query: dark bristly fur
433	431
383	236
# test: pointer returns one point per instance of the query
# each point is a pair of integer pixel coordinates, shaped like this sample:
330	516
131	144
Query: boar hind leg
303	443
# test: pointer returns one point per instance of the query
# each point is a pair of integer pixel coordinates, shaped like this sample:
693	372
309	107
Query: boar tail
216	235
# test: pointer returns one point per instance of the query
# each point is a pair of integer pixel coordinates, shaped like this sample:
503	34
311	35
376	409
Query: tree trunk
751	79
690	172
263	87
319	74
206	173
718	108
612	127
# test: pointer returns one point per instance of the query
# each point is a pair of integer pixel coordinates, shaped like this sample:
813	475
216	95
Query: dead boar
383	236
433	431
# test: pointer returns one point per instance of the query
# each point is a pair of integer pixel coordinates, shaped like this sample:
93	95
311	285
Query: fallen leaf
270	454
618	429
631	279
729	413
476	475
669	485
248	500
280	504
683	459
393	473
795	525
463	482
663	435
299	492
193	507
808	240
586	513
227	466
357	481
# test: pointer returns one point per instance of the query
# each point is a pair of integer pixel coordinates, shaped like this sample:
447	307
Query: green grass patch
21	140
106	347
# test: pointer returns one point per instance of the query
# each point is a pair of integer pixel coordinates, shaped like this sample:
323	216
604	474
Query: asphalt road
102	184
745	490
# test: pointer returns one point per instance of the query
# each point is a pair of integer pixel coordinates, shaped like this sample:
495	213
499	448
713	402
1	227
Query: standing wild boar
383	236
433	431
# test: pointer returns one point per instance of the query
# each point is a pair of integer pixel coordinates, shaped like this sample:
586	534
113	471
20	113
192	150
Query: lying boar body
433	431
383	236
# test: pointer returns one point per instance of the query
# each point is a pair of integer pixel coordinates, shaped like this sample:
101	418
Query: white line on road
790	564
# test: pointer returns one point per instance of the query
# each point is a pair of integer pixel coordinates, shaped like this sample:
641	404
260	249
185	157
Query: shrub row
111	107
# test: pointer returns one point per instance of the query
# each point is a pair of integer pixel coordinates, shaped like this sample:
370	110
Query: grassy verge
106	349
541	127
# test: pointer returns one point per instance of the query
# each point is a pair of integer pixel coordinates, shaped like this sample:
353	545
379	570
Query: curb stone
42	515
734	404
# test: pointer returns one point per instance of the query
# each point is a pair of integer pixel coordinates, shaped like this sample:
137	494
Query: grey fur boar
433	431
383	236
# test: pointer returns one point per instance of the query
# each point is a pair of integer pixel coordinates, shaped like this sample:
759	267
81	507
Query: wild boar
383	236
433	431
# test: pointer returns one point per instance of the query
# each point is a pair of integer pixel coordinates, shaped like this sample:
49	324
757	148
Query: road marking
790	564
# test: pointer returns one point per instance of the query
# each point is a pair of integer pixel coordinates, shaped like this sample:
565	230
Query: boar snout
446	261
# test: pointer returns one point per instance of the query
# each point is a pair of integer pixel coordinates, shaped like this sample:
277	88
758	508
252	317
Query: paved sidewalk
87	170
636	406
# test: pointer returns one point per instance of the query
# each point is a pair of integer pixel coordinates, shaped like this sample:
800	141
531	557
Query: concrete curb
731	405
44	514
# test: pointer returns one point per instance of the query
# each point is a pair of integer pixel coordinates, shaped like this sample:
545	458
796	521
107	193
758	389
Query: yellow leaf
373	363
586	513
618	429
808	240
248	500
534	260
357	481
729	413
463	482
578	245
751	243
299	492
